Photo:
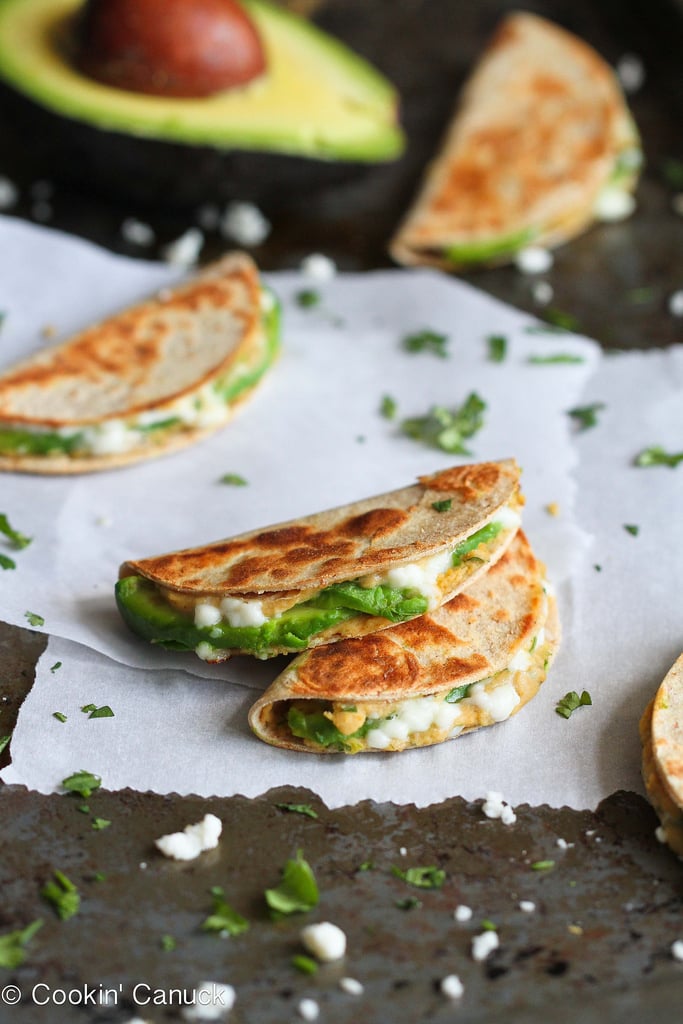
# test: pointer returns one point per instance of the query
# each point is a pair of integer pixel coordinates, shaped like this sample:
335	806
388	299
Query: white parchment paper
312	438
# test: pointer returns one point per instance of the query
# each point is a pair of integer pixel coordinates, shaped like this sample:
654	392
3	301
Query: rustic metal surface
620	891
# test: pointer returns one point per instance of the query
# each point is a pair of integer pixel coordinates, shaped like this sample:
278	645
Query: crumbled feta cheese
542	292
403	852
677	949
660	834
41	210
193	840
318	267
212	1001
484	944
325	941
136	232
630	72
676	303
308	1009
527	906
143	865
245	224
495	807
462	913
111	437
499	702
243	613
613	204
206	615
351	986
378	739
534	259
9	193
185	250
564	845
452	987
205	651
208	216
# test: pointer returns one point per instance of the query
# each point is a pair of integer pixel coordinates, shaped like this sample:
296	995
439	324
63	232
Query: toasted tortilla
150	380
289	564
667	731
487	650
541	129
657	788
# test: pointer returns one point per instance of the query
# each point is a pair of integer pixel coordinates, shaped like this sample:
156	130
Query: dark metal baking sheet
619	887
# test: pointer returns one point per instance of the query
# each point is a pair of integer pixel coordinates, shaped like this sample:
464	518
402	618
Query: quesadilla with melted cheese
149	380
661	735
542	145
342	573
475	661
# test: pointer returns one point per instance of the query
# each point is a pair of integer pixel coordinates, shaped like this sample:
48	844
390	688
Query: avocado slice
317	98
471	253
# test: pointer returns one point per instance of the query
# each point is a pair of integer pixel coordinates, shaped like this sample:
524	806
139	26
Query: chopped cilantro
657	456
18	540
88	707
99	824
488	926
297	891
442	506
423	877
167	943
446	429
497	347
632	529
304	809
83	809
672	172
4	740
561	357
234	479
542	865
598	568
57	665
33	619
367	865
104	712
223	918
558	318
13	944
307	298
59	715
457	694
388	407
63	895
408	903
82	782
586	415
571	701
426	341
6	562
305	964
99	876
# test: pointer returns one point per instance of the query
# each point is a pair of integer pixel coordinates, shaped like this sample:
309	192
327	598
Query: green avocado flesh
317	98
15	441
489	248
145	611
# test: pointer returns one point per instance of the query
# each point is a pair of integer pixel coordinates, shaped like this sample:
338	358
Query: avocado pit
179	48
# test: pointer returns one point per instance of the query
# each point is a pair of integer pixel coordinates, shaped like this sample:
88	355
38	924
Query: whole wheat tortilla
535	137
143	359
667	732
471	638
658	793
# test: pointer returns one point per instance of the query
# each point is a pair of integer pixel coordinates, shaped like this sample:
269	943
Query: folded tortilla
541	145
145	382
661	734
342	573
473	662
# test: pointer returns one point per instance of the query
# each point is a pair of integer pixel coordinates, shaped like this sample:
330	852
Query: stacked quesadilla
418	614
541	145
661	735
149	380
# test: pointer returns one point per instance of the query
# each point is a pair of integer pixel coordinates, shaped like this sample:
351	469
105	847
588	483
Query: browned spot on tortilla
422	633
501	615
468	482
548	85
370	665
451	671
378	522
462	603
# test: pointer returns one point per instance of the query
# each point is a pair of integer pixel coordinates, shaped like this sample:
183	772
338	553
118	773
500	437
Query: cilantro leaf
59	715
408	903
426	341
63	895
167	943
497	344
304	809
561	357
422	877
82	782
457	694
99	824
305	964
33	619
298	889
104	712
571	701
446	429
6	562
18	540
586	416
558	318
657	456
632	528
388	407
543	865
4	740
57	665
223	918
307	298
13	944
442	506
234	479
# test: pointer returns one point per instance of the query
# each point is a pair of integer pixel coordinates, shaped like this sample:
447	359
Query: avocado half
318	110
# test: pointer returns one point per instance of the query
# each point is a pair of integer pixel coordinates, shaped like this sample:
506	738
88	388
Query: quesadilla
147	381
542	145
475	661
342	573
661	734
